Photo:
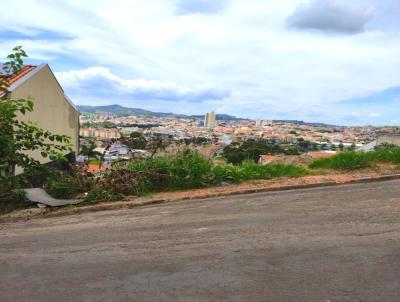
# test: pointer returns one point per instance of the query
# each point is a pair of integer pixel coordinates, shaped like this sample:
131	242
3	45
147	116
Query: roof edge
31	74
26	77
70	102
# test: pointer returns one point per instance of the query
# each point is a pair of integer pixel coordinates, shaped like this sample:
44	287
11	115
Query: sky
332	61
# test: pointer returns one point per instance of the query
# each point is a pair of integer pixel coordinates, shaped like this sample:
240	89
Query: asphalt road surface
327	244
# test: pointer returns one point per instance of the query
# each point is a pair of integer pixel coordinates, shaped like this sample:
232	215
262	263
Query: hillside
121	110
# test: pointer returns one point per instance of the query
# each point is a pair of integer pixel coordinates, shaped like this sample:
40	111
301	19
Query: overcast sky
334	61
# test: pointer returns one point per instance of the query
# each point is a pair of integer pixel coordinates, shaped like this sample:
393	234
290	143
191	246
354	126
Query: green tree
250	150
304	145
90	152
195	141
292	151
136	140
17	137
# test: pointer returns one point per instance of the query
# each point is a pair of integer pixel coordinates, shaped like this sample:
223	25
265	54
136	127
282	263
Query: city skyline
325	61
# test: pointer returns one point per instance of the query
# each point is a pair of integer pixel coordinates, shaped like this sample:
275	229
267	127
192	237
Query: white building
210	120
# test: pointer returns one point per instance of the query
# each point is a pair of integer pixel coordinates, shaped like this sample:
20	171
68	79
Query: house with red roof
53	110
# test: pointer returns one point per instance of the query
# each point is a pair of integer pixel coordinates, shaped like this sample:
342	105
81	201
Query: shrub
186	169
97	194
63	187
250	171
357	160
343	161
390	154
189	169
128	182
11	199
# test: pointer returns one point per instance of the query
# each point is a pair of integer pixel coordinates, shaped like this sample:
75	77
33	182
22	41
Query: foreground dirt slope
327	244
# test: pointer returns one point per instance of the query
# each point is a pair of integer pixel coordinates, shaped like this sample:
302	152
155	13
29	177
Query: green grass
184	170
252	171
189	169
95	161
358	160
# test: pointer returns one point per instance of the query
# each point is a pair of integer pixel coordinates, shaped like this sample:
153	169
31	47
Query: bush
184	170
250	171
357	160
63	187
128	182
97	194
390	154
189	169
250	150
12	199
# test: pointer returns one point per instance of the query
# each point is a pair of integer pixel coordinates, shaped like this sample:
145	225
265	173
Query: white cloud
374	114
99	82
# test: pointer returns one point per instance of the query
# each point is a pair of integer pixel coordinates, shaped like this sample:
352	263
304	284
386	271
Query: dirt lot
325	244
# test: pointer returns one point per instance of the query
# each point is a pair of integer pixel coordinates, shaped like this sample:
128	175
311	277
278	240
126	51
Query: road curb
143	201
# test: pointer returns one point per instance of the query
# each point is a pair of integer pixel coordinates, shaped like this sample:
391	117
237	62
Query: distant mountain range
125	111
301	123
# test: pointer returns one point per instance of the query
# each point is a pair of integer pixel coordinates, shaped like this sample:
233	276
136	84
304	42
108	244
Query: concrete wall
52	111
388	139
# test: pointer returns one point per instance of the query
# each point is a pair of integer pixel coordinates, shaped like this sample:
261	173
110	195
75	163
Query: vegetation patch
250	171
352	160
188	169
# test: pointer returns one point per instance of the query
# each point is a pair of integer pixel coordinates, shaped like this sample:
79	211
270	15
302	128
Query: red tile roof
94	168
10	80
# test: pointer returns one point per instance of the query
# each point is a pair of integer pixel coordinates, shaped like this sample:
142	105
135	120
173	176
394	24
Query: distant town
219	131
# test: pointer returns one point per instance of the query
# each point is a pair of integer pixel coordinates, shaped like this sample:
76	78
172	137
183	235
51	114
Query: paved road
327	244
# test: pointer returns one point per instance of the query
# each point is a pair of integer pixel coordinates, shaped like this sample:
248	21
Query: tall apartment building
210	120
263	123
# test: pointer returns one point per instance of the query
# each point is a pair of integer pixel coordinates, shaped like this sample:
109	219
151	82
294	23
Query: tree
195	141
292	151
304	145
341	146
18	138
136	140
157	144
251	150
90	152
